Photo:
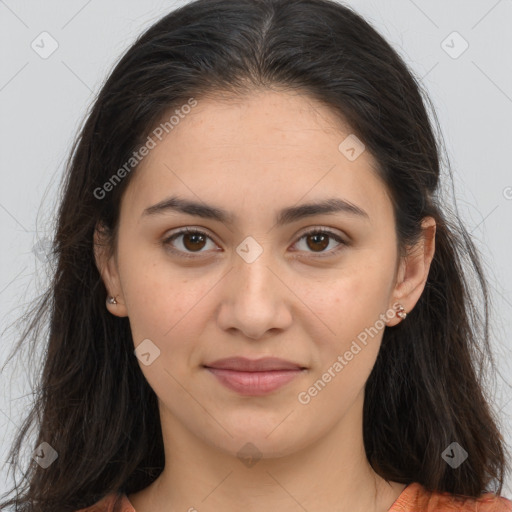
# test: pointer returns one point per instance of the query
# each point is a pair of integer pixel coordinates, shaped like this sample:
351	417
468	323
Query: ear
107	266
414	268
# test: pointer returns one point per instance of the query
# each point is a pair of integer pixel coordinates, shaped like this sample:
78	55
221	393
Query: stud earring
401	312
111	300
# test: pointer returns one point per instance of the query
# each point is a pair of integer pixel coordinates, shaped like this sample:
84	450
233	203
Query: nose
256	299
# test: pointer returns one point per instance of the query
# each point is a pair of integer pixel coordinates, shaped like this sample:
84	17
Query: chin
260	441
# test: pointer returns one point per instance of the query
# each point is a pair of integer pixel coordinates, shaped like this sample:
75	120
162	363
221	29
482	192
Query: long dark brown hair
428	387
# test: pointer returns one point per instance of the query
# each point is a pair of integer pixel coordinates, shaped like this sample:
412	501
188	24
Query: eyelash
314	231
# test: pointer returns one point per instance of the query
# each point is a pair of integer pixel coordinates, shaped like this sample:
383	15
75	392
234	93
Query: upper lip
242	364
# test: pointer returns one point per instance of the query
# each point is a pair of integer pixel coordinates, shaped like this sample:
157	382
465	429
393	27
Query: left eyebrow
284	216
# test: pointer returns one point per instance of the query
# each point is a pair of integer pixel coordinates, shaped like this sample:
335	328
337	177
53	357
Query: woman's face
254	285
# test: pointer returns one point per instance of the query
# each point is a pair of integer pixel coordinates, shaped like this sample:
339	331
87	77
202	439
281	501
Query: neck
331	474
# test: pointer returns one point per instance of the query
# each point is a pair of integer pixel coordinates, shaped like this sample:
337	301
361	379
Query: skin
253	156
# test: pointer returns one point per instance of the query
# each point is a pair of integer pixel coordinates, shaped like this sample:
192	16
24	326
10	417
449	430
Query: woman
260	302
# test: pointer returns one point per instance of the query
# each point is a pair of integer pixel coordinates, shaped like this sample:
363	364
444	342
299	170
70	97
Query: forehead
261	149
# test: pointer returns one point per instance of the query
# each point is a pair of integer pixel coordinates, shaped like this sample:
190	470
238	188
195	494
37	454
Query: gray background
43	102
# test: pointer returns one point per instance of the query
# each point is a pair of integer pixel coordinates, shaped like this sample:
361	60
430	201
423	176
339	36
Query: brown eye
192	241
318	240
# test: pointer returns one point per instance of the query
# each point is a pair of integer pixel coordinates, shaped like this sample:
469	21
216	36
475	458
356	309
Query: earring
111	300
401	312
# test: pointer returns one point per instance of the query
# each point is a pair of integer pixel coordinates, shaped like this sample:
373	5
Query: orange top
414	498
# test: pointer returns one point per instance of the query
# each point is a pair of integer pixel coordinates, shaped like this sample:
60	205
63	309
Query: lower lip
254	383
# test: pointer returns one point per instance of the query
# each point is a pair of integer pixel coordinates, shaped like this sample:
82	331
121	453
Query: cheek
153	295
346	355
352	307
165	307
162	311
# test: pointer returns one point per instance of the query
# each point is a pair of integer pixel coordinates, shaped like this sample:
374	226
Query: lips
243	364
254	377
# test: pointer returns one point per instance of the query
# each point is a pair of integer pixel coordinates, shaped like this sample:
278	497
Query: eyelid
324	229
312	230
183	231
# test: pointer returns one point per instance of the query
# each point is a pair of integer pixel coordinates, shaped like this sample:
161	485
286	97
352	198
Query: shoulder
415	498
108	503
